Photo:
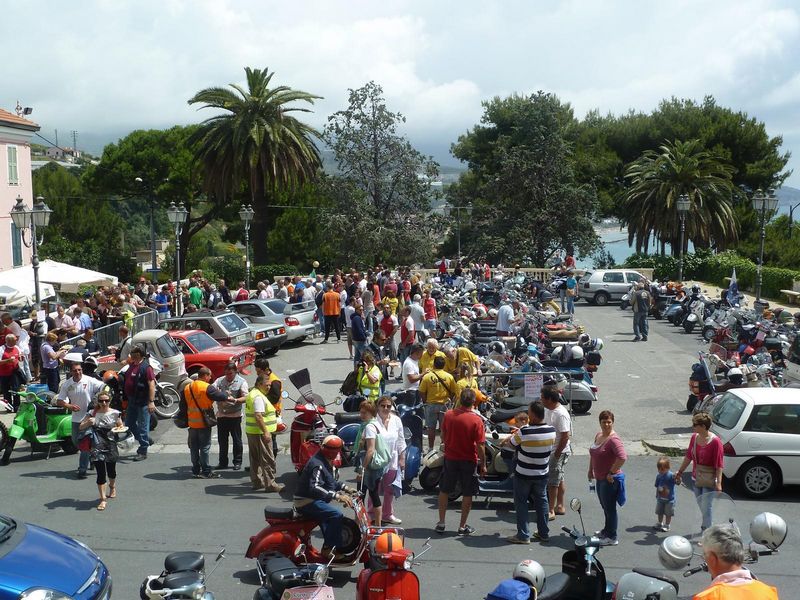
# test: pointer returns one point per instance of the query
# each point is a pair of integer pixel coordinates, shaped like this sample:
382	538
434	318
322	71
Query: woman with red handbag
705	454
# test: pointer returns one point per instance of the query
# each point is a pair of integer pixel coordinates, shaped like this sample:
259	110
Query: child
520	420
665	495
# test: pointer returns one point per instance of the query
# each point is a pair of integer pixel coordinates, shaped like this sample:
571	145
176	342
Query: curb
667	446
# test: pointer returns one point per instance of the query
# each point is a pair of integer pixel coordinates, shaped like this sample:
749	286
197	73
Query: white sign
533	386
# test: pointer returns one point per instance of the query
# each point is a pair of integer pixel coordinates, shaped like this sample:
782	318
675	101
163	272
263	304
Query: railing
108	335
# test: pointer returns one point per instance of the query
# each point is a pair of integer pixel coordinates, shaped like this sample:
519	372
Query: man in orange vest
201	395
723	552
331	308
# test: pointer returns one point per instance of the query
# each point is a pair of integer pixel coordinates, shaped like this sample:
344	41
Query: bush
229	268
269	272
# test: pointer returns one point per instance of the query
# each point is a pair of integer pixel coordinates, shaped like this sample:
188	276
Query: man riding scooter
317	486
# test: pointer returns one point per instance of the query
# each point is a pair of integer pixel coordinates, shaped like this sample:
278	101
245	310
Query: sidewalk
673	445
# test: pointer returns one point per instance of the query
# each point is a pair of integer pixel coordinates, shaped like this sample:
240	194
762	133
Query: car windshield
727	412
277	306
167	347
232	323
202	341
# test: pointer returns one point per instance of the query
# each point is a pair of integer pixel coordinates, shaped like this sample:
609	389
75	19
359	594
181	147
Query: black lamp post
152	200
177	216
763	204
36	218
246	215
682	204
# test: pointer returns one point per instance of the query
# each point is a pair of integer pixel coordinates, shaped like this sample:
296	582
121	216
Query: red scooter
309	428
388	575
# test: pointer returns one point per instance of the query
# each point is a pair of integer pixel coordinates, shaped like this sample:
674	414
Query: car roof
149	334
764	395
182	333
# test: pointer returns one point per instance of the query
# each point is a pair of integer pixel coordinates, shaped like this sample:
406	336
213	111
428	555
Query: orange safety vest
754	590
196	398
331	306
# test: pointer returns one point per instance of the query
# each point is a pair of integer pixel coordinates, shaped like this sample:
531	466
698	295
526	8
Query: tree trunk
262	219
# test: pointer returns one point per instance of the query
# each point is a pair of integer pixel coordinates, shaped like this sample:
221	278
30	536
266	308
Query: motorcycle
39	423
387	576
309	428
281	579
183	577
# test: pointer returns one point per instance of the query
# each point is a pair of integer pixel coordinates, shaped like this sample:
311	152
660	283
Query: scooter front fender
16	432
392	583
64	428
433	459
272	538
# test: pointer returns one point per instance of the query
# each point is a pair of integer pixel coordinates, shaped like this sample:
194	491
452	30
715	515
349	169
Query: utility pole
74	145
56	138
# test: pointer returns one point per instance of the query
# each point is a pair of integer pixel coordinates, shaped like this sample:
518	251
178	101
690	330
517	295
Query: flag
733	290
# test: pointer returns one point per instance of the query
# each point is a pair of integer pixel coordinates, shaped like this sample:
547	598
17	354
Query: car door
614	284
258	313
774	430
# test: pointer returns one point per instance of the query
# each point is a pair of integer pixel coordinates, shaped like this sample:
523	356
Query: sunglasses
103	401
386	406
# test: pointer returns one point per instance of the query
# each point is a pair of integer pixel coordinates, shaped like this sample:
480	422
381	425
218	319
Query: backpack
350	383
510	589
382	455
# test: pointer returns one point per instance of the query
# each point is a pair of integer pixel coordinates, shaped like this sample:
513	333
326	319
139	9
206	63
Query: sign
533	386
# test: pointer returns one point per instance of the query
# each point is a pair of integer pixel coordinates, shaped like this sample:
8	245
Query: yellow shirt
437	390
426	360
392	302
467	384
463	356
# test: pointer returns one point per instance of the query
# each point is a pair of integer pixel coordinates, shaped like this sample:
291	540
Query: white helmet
584	339
576	353
493	313
598	344
675	552
531	572
768	529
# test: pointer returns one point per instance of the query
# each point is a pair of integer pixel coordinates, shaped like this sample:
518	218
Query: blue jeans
571	305
199	449
607	494
523	489
705	502
330	521
358	350
640	327
83	458
51	377
138	419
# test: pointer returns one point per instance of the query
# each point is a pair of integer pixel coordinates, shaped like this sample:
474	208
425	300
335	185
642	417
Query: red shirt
429	305
407	290
407	334
388	324
709	455
242	294
462	430
605	455
7	369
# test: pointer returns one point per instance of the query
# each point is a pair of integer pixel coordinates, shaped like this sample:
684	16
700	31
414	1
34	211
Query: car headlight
43	594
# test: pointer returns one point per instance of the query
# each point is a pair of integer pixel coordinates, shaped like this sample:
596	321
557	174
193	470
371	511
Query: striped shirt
534	443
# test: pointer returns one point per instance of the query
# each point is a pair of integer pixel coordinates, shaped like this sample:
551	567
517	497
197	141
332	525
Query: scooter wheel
3	435
429	478
581	407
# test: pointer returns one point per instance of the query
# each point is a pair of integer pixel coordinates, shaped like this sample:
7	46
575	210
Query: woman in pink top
705	449
606	457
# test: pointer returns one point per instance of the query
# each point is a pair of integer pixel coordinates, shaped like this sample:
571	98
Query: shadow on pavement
651	537
248	577
347	358
72	503
65	474
178	473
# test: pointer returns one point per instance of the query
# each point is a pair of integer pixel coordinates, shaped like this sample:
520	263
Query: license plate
309	593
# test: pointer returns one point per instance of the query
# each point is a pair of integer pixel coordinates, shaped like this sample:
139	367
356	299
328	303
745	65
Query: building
15	180
66	154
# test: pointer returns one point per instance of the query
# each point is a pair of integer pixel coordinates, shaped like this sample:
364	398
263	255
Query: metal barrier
109	334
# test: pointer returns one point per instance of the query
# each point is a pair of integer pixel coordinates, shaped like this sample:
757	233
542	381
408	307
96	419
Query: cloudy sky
105	67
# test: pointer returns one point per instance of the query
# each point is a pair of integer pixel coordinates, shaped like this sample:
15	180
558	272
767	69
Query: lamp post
448	211
791	217
37	217
177	216
152	200
682	204
763	204
246	215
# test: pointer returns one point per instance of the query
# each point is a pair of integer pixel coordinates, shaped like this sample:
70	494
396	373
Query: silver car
602	285
299	319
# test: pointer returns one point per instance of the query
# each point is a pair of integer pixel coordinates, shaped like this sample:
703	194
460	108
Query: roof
9	118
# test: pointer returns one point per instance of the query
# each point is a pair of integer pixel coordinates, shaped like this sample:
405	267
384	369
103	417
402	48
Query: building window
16	246
13	172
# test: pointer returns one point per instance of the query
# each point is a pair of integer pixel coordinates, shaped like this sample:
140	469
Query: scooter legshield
413	460
388	584
16	432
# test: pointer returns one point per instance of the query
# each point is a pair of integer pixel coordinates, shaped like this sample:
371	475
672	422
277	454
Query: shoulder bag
704	476
382	455
209	418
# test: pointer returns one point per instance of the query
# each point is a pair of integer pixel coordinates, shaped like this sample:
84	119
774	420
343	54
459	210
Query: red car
201	350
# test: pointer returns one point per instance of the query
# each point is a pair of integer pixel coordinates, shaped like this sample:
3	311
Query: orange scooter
387	573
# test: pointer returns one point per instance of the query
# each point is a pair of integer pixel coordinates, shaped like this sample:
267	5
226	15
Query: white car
760	432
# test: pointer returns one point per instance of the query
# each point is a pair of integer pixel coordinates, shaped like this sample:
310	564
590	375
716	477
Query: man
195	295
23	338
90	344
163	300
464	459
140	391
436	389
81	320
317	487
418	315
64	322
505	318
243	294
408	334
388	324
224	292
640	302
123	333
429	308
459	356
430	354
557	416
229	416
534	444
273	393
9	362
77	394
331	310
724	554
200	395
411	374
261	423
358	333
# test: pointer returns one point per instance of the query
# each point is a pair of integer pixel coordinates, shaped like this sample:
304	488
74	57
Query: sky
106	67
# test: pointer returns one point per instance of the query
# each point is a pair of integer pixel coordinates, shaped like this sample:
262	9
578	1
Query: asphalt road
162	509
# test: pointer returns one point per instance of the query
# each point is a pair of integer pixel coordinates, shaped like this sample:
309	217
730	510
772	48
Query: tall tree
257	142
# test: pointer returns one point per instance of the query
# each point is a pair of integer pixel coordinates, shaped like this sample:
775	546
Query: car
37	563
603	285
270	336
226	327
158	344
201	350
760	432
300	320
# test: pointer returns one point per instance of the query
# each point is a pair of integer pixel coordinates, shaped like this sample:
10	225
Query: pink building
15	180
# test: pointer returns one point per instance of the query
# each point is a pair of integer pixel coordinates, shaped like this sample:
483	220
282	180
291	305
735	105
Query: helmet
695	289
557	353
584	339
480	310
735	375
331	446
598	344
497	347
576	353
110	377
493	313
675	552
531	572
387	542
768	529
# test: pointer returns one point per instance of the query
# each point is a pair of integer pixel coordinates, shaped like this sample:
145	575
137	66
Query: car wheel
759	478
429	478
272	351
601	298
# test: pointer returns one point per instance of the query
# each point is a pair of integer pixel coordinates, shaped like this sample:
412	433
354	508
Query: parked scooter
387	574
183	577
281	579
40	424
309	427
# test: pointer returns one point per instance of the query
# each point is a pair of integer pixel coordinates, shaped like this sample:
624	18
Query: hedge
269	272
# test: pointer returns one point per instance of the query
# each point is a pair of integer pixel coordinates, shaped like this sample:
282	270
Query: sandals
112	491
102	505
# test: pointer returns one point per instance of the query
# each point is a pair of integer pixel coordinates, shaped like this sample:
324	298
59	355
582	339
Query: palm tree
256	141
657	179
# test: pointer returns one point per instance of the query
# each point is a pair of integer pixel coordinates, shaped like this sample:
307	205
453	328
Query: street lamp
37	217
152	200
246	215
763	204
682	204
447	212
177	216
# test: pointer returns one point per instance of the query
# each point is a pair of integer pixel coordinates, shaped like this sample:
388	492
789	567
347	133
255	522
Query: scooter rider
317	486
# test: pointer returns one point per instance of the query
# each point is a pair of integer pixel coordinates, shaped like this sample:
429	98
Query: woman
369	377
50	357
391	429
391	301
705	454
572	292
606	457
371	476
104	453
466	381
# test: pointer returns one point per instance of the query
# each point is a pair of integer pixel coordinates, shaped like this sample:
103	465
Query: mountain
788	195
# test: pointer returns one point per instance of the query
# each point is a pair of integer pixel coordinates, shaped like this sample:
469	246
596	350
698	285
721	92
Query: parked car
300	320
201	350
760	432
39	563
222	325
272	335
157	344
603	285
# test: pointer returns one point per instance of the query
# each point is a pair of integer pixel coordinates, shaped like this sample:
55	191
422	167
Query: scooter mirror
284	394
221	554
575	504
300	550
495	435
339	400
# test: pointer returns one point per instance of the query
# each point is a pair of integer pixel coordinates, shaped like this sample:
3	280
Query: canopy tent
66	278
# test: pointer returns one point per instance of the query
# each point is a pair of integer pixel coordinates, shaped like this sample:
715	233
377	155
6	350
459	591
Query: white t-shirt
349	311
80	393
362	284
342	299
267	293
410	367
560	420
418	315
505	315
259	405
392	435
106	420
309	294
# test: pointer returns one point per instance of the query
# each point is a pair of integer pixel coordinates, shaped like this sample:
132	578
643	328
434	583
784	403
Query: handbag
571	292
704	476
382	455
209	418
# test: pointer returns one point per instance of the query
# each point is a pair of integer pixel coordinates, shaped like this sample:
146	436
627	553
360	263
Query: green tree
657	179
256	142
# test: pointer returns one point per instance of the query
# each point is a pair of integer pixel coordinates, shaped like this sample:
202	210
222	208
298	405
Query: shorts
555	474
349	335
464	472
664	508
432	412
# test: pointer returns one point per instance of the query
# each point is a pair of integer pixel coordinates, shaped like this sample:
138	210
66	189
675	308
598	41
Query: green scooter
40	424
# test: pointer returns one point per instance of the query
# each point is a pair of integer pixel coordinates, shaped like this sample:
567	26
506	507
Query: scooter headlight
408	562
199	592
321	575
43	594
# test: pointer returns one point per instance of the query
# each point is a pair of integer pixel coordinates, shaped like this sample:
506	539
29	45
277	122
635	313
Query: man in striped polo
534	444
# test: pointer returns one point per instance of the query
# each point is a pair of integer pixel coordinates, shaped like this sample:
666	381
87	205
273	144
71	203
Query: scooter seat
184	561
181	579
285	514
55	410
657	575
501	415
281	572
347	417
555	587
